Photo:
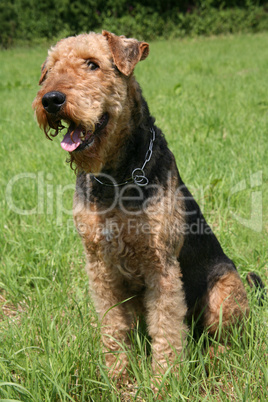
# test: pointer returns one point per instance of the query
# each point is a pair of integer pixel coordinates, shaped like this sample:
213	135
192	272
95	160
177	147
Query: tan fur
66	71
226	302
132	258
121	260
126	52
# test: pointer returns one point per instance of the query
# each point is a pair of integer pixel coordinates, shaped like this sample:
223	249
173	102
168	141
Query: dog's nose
53	101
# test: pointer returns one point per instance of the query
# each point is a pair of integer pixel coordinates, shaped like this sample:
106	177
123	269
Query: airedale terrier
148	247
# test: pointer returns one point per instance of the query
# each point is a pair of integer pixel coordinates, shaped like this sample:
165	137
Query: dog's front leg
166	310
108	297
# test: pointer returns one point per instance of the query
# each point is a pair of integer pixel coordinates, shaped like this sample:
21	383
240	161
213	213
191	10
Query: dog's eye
92	65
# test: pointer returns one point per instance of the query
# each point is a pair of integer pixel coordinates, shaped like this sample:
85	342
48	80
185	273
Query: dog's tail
255	281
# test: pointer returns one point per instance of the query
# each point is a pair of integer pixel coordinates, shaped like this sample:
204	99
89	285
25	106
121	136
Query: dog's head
88	89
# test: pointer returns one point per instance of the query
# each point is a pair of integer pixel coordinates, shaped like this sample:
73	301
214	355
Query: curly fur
141	243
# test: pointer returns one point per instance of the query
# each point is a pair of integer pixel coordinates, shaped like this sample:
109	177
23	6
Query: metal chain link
138	175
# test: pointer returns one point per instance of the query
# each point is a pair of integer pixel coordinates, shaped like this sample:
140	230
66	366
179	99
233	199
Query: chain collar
138	176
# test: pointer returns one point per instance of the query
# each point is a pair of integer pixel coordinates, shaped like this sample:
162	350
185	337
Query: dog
149	249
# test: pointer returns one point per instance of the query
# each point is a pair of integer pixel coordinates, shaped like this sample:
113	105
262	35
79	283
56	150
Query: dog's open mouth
77	138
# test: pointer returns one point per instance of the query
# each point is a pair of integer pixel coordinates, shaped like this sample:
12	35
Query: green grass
209	96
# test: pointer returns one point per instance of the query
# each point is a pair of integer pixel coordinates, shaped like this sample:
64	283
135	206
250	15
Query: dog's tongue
69	143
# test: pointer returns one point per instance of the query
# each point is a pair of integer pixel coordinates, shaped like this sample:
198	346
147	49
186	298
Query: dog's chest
133	243
129	243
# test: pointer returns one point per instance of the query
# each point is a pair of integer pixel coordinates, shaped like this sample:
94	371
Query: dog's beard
88	160
79	136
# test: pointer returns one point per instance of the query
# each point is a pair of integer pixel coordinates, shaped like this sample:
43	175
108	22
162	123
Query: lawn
210	98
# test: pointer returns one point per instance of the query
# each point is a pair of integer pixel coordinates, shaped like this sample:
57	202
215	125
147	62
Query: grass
209	96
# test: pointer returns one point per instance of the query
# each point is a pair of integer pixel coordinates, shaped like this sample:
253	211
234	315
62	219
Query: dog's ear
126	52
43	73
